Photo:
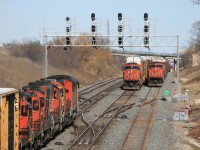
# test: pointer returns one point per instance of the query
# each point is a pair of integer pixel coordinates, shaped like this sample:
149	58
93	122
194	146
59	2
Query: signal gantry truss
102	41
96	39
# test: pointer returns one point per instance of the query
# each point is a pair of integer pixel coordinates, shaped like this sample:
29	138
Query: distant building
1	45
195	60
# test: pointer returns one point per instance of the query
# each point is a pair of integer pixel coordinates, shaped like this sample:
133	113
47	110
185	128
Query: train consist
134	72
36	113
139	70
157	71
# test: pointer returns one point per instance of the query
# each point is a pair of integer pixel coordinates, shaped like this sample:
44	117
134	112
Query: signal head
120	40
120	28
145	16
146	40
93	16
93	28
146	28
68	40
119	16
93	40
67	18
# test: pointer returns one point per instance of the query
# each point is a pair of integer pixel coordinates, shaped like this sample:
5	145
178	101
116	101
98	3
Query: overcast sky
21	19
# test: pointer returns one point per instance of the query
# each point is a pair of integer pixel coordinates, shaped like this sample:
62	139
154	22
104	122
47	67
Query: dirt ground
189	131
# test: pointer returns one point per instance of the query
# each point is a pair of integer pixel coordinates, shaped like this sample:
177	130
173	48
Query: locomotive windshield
155	66
159	66
127	67
152	66
24	110
136	67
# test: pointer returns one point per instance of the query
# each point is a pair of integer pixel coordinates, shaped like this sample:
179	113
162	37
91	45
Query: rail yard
52	113
112	118
100	75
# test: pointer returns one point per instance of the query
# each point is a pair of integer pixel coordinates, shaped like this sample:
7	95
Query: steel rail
100	116
134	120
106	125
102	84
147	120
99	96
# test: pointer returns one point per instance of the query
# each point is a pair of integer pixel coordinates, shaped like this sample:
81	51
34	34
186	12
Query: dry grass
193	79
88	65
192	83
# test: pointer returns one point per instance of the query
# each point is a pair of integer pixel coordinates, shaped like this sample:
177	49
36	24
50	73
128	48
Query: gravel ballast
163	135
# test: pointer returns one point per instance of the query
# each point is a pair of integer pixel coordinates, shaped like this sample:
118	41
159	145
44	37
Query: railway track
96	86
137	134
92	131
87	103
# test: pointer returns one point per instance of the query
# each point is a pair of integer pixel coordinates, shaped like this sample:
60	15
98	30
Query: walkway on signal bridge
128	53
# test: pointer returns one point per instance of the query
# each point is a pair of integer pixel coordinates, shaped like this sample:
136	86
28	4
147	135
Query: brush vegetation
23	63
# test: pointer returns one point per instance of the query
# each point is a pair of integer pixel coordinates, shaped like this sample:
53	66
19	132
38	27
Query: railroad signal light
145	16
67	19
93	40
68	29
93	16
146	41
120	41
119	16
166	92
93	28
68	42
146	31
146	28
120	28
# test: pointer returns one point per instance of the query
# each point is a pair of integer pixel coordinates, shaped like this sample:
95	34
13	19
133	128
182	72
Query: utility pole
178	84
108	32
45	57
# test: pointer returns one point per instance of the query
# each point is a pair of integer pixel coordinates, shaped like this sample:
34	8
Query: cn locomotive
134	72
157	71
37	112
147	70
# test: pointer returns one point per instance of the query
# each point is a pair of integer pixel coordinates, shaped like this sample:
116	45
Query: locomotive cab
132	75
157	71
25	122
134	72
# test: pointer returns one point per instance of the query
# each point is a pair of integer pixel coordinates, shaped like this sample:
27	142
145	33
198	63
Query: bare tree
195	36
196	2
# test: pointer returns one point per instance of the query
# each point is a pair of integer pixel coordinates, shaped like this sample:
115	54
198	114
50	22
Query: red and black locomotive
46	106
157	71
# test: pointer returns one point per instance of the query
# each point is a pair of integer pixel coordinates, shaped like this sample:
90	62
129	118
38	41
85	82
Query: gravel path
163	134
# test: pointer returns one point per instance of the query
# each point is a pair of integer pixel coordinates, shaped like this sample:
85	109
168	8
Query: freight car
157	71
9	119
37	112
134	72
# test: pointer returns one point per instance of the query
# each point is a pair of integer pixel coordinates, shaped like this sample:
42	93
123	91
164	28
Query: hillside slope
88	65
190	79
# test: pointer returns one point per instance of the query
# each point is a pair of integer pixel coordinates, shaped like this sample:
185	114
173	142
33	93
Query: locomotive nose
132	75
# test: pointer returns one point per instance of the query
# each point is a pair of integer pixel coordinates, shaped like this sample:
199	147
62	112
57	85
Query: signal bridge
129	52
120	40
